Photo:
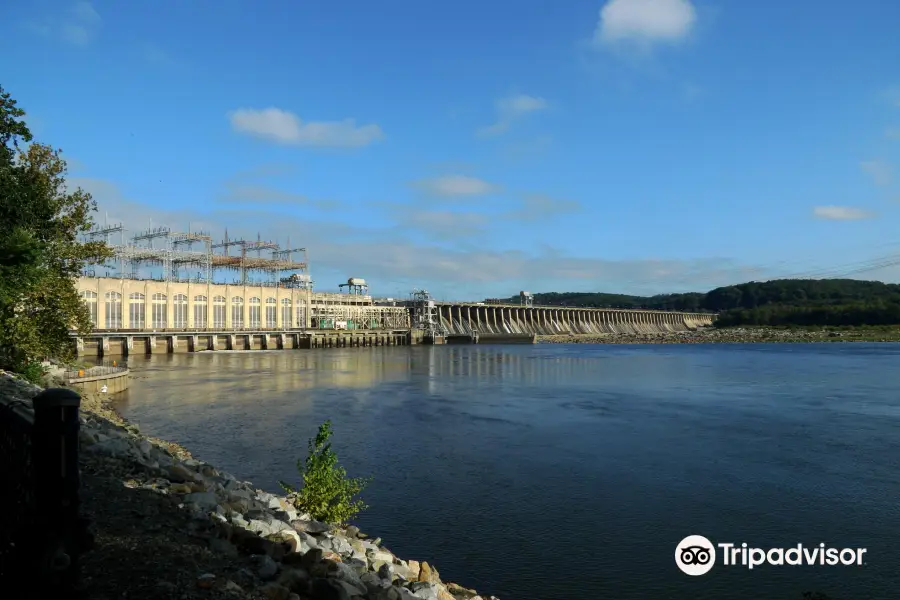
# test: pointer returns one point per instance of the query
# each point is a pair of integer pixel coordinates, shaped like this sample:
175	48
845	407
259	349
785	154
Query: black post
64	535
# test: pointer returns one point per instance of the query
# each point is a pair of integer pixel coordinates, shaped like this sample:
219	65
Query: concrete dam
466	319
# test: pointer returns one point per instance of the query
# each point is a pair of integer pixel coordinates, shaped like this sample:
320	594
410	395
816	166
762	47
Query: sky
477	149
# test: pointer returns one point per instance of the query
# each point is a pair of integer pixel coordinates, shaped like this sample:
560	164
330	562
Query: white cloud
880	171
645	22
287	128
841	213
513	108
456	185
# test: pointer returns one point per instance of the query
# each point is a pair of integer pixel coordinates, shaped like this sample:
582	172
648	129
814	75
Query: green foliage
327	494
40	253
33	373
788	302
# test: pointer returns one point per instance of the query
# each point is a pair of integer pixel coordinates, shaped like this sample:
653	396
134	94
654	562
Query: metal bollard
65	535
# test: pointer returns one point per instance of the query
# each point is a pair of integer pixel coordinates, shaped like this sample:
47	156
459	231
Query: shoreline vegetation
168	526
737	335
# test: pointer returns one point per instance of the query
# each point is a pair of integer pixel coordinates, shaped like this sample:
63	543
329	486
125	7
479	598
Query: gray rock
239	521
260	515
386	571
341	545
277	525
259	527
268	500
349	575
373	582
205	500
424	590
115	447
179	474
379	556
360	566
266	568
310	526
285	516
307	541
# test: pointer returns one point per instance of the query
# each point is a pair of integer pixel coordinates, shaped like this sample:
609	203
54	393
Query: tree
327	494
41	255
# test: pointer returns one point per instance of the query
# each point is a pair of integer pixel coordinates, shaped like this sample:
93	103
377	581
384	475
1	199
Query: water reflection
484	457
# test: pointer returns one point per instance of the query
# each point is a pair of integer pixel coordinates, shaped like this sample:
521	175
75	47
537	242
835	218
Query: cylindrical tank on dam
356	281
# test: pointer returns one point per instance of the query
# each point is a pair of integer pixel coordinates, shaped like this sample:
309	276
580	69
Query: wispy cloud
879	170
841	213
251	195
892	133
644	23
536	207
388	258
455	185
78	25
284	127
82	24
511	109
441	224
892	95
155	55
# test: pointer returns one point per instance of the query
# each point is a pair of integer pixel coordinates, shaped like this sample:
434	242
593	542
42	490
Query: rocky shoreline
168	526
731	335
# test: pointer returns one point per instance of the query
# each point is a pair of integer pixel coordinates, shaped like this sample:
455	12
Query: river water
564	472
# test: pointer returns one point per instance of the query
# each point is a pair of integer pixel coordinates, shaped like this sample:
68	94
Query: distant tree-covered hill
777	302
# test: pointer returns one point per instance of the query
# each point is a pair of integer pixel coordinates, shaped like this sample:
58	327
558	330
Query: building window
271	313
219	312
200	312
180	311
286	313
255	313
301	316
237	312
90	299
113	310
158	311
136	311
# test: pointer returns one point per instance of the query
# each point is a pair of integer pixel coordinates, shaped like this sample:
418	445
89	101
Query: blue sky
480	148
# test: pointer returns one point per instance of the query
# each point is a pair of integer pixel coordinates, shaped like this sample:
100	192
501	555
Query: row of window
158	313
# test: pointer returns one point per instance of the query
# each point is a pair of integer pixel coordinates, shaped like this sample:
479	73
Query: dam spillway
466	319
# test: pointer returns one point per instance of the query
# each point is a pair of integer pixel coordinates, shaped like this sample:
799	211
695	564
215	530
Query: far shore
736	335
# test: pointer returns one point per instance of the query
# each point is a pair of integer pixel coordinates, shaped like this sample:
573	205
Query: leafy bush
33	372
327	493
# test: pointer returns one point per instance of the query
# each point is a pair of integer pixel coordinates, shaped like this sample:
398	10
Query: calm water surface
565	472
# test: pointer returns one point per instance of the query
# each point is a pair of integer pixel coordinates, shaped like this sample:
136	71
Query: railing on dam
107	367
42	532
